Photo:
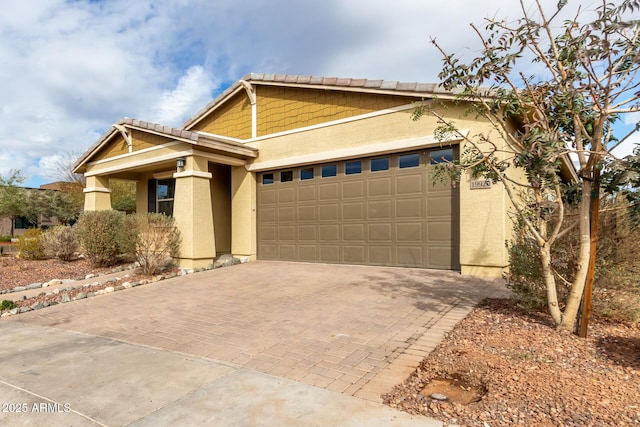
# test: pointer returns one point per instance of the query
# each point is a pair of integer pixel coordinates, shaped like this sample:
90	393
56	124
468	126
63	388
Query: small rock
100	292
126	285
112	280
5	314
24	309
45	284
54	282
65	298
81	295
37	306
90	276
34	286
439	396
46	304
225	261
109	289
134	284
14	310
118	288
19	288
90	294
56	291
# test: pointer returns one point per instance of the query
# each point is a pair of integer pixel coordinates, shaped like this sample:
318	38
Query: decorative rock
14	310
69	288
65	298
126	285
24	309
56	291
225	261
45	284
34	286
5	314
118	288
46	304
65	281
37	306
19	288
90	294
134	284
54	282
109	289
100	292
90	276
81	295
439	396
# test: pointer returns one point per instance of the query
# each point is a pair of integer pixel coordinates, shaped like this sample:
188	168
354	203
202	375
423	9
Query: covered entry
382	210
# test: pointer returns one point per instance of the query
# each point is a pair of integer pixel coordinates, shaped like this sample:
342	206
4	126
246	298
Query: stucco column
97	194
193	214
243	213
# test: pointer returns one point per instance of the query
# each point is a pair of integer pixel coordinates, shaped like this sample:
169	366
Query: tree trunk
588	290
550	283
577	287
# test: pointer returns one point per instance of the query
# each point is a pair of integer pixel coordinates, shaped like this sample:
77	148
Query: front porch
199	179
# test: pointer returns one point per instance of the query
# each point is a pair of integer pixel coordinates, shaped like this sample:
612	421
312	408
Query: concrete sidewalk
62	378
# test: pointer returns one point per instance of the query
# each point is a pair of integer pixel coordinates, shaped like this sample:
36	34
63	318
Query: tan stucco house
311	169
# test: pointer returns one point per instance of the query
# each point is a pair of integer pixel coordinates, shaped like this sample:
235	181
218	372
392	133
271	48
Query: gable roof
196	138
386	87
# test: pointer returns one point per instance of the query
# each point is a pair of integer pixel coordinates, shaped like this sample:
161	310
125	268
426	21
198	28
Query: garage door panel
440	231
328	212
286	214
380	255
267	215
409	208
268	196
353	232
268	233
441	257
287	233
328	191
379	209
307	233
380	232
410	232
330	253
409	184
308	253
377	187
354	254
329	232
268	251
307	193
307	213
353	189
410	256
353	211
439	206
287	252
286	195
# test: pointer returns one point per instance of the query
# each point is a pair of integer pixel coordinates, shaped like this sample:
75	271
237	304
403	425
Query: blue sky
72	68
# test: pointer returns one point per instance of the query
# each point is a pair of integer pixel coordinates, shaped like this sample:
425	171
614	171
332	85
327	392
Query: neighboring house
22	224
312	169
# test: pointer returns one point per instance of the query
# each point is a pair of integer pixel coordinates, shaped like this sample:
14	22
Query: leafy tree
589	79
12	196
123	195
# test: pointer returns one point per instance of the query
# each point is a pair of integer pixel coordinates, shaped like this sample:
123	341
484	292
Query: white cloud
194	89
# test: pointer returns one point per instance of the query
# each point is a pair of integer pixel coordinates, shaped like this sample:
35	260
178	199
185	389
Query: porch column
193	214
243	213
97	194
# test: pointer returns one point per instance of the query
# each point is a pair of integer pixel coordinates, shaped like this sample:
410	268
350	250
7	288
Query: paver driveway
357	330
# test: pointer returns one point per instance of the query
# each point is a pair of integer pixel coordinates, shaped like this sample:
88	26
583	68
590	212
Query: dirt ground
513	367
527	373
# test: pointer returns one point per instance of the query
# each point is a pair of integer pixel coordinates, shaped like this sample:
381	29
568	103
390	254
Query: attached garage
382	210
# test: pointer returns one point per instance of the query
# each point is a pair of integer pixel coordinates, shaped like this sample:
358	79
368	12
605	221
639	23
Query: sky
71	68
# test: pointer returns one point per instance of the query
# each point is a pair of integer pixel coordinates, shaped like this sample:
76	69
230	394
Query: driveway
354	330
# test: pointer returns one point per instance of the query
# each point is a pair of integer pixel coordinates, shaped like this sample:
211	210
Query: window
329	170
352	168
165	194
306	173
267	178
381	164
409	161
286	176
441	156
22	223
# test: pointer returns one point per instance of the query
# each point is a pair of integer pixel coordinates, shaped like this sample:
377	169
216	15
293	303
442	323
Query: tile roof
387	86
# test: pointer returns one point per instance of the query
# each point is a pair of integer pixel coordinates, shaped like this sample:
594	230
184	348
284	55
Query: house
312	169
21	224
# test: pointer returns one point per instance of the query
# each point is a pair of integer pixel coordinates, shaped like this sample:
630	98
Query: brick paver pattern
358	330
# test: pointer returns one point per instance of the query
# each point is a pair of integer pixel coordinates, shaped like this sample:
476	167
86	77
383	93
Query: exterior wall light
181	162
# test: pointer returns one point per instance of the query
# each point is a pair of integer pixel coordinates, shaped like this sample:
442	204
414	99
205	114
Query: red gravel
532	374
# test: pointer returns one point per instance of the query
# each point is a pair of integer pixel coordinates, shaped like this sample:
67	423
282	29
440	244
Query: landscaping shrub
5	238
103	237
157	240
616	291
7	305
60	242
30	245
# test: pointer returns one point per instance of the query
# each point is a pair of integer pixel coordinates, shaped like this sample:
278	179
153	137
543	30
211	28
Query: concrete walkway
251	342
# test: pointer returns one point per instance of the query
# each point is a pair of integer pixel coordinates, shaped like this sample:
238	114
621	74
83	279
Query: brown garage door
382	211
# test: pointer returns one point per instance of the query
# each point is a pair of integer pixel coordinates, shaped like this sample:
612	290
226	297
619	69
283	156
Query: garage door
381	210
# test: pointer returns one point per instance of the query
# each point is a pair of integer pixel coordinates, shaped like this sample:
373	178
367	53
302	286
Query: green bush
103	237
7	305
60	242
30	245
157	240
5	238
